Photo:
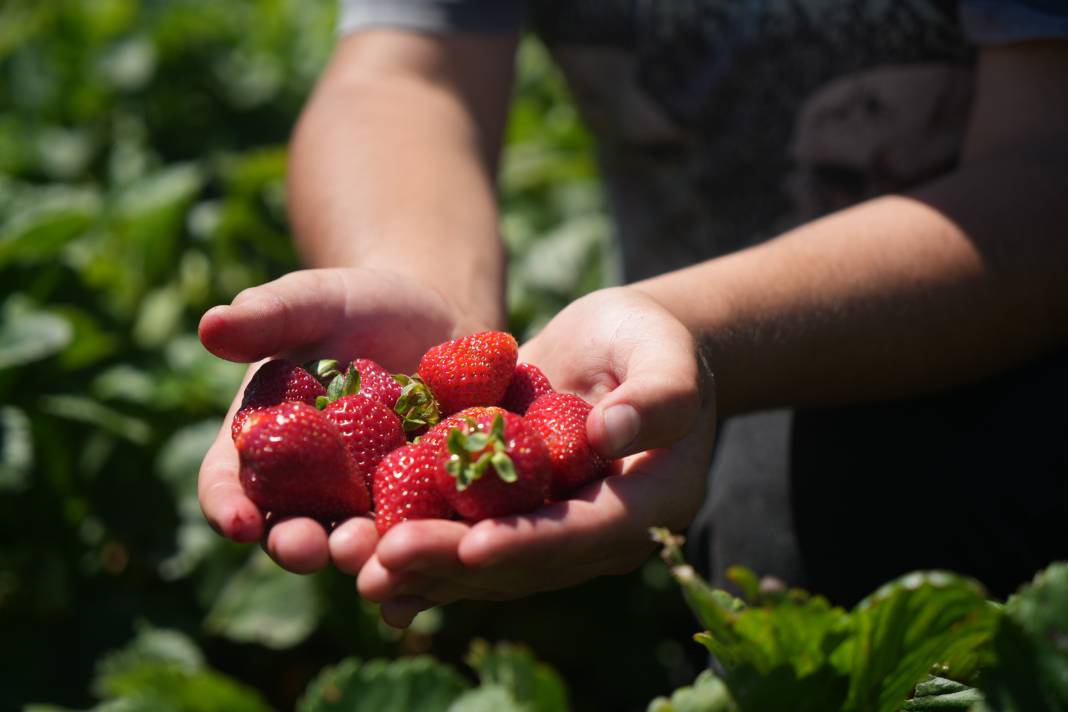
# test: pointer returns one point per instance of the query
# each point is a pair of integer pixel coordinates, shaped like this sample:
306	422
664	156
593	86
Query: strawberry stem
491	450
416	405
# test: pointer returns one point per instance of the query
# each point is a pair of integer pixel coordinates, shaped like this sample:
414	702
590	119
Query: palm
598	348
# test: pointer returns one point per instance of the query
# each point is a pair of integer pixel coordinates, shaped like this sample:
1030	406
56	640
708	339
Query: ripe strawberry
560	420
276	382
376	382
435	438
369	430
473	370
493	466
293	461
528	382
404	488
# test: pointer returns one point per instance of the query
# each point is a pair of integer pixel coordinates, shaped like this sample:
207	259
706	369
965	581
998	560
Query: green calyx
343	384
474	453
324	369
416	405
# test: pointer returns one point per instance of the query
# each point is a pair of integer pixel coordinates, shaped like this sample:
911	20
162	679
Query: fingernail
621	425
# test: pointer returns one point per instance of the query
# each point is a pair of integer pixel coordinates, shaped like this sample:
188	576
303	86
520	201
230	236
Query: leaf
44	220
907	626
1031	648
417	684
163	670
152	645
179	458
28	334
16	449
148	216
156	687
177	465
87	410
264	604
490	698
556	261
159	317
535	686
782	655
959	700
938	686
124	382
707	694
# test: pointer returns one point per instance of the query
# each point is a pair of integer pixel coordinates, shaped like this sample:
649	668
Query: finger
427	546
558	535
657	400
352	543
294	310
299	545
224	503
377	583
592	528
400	612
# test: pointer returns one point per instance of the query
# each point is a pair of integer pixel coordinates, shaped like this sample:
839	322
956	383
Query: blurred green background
142	161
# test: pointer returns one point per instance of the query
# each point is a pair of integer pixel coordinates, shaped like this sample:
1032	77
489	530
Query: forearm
897	296
392	168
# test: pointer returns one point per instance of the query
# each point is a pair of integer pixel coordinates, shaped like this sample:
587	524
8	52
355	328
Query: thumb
292	311
655	405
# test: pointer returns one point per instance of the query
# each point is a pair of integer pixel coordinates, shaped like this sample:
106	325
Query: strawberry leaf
504	467
324	369
476	442
416	405
533	685
344	384
1031	645
417	684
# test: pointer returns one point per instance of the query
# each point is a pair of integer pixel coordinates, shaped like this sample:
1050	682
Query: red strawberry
435	437
376	382
276	381
560	420
293	461
404	488
473	370
528	382
369	430
492	468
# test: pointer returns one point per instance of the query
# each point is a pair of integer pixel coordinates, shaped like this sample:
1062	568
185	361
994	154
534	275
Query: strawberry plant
925	641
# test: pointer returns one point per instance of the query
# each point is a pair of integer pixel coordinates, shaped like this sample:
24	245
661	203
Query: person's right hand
341	313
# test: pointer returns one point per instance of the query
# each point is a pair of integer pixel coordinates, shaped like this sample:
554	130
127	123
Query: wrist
706	315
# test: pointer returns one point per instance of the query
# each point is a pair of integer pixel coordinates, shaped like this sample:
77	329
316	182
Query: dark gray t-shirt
720	124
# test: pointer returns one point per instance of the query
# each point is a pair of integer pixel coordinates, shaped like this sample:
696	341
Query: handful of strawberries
490	437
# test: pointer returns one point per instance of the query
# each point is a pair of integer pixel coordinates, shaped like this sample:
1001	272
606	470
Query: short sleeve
433	15
991	22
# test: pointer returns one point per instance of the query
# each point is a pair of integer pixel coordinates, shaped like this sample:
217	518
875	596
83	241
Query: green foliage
938	693
263	604
534	686
510	680
1031	645
163	670
911	624
707	694
785	649
415	684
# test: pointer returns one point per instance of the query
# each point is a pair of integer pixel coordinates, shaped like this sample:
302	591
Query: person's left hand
626	354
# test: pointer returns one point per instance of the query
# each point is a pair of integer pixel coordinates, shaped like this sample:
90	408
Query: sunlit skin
901	295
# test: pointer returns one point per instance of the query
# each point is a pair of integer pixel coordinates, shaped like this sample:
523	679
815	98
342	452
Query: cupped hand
653	406
341	313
